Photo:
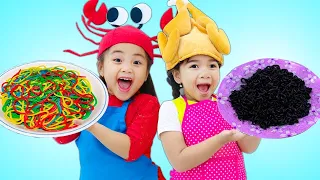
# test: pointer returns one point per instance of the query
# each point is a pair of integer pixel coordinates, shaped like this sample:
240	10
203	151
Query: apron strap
186	100
122	122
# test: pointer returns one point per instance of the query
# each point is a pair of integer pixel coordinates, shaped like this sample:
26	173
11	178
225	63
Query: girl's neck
190	98
115	101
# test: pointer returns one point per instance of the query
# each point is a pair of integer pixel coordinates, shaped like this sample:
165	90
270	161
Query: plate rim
262	135
61	133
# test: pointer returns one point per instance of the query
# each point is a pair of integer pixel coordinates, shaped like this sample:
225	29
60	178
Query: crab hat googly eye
117	16
141	13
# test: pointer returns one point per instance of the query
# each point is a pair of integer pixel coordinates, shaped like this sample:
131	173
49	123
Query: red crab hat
127	34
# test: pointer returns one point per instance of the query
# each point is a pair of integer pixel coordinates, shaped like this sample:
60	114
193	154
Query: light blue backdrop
41	30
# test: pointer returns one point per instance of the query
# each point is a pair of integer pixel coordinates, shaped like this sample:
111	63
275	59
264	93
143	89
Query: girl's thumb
78	122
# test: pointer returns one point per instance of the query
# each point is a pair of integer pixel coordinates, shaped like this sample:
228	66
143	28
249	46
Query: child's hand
79	122
238	136
232	135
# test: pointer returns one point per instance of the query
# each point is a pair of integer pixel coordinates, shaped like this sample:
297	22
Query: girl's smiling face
199	76
124	68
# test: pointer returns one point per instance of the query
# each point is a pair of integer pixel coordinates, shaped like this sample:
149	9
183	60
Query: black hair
147	87
271	97
174	85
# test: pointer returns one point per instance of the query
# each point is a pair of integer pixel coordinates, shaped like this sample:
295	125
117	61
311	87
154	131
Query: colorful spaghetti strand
47	99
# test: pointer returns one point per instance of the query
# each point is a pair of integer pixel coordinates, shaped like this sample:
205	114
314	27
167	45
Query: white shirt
168	118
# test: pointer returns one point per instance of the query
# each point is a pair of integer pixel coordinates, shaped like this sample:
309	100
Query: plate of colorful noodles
43	98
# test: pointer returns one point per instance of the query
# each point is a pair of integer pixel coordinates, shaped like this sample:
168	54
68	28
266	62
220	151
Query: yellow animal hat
186	36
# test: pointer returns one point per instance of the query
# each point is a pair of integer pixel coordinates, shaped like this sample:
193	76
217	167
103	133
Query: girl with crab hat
119	145
198	142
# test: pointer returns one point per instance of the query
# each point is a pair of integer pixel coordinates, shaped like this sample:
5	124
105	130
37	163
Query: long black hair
147	87
174	85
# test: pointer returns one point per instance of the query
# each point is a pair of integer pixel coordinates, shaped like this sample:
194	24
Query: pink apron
200	122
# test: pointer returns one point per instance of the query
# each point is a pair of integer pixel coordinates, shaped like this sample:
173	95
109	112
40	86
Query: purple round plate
232	82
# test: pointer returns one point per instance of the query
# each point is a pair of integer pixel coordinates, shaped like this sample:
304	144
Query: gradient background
41	30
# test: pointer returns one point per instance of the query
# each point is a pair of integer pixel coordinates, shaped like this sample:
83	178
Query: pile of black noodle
271	97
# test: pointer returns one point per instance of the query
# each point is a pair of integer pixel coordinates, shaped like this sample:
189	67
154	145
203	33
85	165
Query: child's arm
249	144
142	125
181	157
140	132
116	142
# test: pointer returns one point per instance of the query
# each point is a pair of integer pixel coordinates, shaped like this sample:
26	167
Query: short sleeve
168	118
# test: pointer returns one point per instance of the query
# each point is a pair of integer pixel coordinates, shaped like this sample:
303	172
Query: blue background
41	30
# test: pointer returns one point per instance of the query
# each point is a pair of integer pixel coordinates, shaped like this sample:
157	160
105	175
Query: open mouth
124	84
204	88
